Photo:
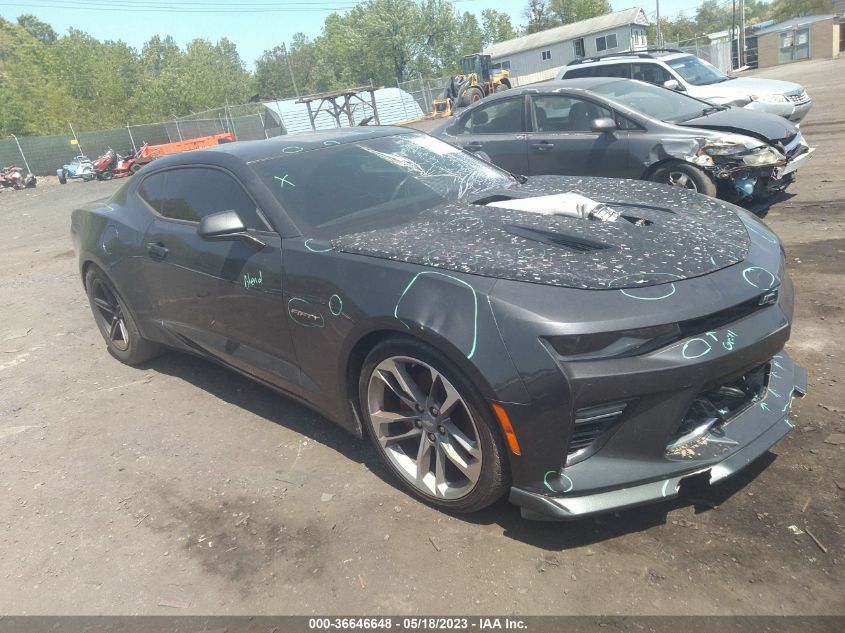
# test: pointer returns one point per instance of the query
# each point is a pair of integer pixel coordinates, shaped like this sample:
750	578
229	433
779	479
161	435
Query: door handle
157	250
542	146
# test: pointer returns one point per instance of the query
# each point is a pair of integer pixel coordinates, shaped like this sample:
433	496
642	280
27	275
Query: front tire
115	322
684	176
472	95
62	177
431	427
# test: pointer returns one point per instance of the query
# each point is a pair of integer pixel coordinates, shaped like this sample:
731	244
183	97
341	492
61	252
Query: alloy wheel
110	316
424	427
680	179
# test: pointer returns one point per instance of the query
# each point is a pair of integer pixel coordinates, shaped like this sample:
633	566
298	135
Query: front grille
799	98
591	423
718	404
716	320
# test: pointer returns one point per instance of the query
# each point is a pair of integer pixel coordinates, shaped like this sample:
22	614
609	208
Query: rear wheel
684	176
136	167
62	175
431	427
115	323
106	175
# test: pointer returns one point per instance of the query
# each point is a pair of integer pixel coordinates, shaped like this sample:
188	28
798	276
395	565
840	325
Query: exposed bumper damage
719	451
742	167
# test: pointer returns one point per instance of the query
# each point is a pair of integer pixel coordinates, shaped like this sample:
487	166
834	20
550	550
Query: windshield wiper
520	178
713	108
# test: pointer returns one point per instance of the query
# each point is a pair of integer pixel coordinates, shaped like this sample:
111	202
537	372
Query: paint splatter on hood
664	235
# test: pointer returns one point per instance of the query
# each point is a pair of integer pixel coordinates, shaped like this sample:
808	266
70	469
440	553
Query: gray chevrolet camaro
583	344
621	128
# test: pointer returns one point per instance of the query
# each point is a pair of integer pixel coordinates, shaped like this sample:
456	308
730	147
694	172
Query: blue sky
252	32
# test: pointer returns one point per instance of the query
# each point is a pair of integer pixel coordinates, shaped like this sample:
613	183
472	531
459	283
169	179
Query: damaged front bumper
743	182
719	452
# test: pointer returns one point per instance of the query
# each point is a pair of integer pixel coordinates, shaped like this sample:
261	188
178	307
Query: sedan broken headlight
749	151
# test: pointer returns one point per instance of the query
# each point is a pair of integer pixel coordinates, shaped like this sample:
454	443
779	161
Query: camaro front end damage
743	166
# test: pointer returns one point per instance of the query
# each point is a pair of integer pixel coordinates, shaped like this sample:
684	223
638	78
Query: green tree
538	16
785	9
41	31
496	27
569	11
32	100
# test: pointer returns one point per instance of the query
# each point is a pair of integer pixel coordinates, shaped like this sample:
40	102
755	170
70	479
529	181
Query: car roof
622	58
580	83
251	151
548	87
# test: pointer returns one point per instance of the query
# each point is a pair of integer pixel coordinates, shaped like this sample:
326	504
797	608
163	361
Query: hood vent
552	238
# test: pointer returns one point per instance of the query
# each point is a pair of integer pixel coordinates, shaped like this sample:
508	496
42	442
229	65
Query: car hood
746	86
766	127
681	235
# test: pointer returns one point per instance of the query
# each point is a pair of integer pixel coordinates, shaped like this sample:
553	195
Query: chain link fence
423	91
43	155
717	53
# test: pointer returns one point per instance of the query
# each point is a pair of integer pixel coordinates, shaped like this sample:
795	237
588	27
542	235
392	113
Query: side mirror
227	225
604	125
672	84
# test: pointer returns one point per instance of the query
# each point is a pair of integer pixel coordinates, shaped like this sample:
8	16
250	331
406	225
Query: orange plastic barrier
149	152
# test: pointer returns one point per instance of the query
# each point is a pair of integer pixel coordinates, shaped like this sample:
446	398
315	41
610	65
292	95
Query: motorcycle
80	167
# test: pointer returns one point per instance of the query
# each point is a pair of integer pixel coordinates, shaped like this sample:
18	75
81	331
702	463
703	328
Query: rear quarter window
579	72
152	191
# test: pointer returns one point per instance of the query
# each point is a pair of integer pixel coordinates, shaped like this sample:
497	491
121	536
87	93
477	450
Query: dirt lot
183	488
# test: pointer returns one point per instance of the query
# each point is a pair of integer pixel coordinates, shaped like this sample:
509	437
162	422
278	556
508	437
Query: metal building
538	56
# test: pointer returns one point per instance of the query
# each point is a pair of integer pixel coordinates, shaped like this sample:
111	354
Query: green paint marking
460	281
253	280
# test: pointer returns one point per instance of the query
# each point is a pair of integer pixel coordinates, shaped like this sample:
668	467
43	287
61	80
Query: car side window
191	193
152	190
559	113
499	117
610	70
650	73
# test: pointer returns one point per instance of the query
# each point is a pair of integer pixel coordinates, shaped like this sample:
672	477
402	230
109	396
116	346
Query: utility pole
290	68
741	33
659	30
733	35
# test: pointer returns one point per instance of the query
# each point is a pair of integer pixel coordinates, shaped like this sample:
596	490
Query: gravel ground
182	488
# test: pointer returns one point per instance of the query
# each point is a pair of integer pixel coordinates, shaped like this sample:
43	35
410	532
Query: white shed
394	105
538	56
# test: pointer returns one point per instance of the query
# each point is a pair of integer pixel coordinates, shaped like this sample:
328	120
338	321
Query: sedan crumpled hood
766	127
683	235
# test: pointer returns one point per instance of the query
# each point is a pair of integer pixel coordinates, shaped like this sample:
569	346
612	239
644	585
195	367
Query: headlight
748	150
763	156
770	98
614	344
